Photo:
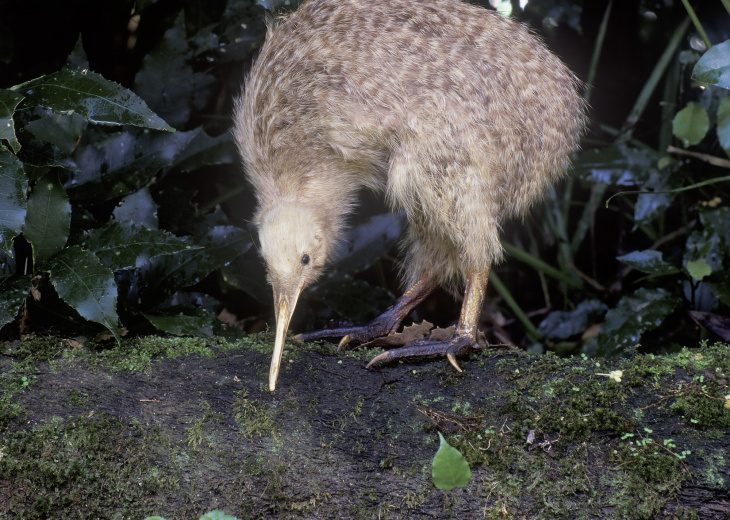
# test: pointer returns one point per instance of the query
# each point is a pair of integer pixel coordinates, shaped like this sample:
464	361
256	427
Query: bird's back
357	80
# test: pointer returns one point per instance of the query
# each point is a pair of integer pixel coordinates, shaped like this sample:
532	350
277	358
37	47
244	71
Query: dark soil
177	427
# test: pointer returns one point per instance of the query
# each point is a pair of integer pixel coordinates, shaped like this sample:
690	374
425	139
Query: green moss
254	418
95	465
702	411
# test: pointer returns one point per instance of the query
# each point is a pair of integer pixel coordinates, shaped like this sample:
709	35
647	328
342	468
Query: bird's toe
456	346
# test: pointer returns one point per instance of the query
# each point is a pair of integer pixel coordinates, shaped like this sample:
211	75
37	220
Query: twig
715	161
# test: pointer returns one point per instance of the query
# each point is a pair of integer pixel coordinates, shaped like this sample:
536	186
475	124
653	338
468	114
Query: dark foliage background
112	222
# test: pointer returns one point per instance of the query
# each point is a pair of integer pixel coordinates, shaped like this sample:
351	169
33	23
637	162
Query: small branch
711	159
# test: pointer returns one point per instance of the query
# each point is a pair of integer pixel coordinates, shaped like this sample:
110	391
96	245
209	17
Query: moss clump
702	411
85	467
254	417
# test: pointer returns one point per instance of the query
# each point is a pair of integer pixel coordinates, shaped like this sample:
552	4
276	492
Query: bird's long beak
284	308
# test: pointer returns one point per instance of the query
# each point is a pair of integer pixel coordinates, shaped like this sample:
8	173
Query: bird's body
460	117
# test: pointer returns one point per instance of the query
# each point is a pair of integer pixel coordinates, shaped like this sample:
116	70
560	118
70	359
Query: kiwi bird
458	116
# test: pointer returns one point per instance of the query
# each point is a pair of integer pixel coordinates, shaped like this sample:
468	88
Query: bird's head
295	246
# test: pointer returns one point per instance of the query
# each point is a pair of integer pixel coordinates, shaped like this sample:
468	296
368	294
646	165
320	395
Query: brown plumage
457	115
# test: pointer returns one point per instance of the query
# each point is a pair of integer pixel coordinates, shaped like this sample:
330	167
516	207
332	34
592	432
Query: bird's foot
450	348
383	325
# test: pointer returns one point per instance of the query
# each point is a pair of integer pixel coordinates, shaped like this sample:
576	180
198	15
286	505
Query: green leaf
618	165
8	101
719	285
221	246
713	68
48	220
690	125
204	150
92	97
698	269
635	314
648	261
247	273
717	221
564	324
368	242
77	59
123	245
13	201
184	325
138	208
39	157
164	79
124	163
87	286
356	300
62	131
217	515
723	124
650	206
450	469
13	292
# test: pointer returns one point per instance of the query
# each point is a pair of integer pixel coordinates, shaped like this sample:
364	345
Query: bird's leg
465	335
385	324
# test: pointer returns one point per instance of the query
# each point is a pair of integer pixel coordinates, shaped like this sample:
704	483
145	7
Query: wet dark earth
157	427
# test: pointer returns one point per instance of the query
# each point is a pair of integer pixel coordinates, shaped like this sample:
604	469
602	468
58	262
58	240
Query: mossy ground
178	427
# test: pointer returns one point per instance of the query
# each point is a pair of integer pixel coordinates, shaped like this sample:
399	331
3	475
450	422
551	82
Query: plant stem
539	265
697	24
597	52
520	315
656	76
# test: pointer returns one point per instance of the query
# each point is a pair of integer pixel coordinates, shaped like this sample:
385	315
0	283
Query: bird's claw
343	342
456	346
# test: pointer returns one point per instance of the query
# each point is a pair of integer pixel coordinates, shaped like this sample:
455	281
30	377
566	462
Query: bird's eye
305	259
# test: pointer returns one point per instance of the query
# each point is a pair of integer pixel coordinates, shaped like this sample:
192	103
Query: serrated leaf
690	125
77	59
62	131
705	244
356	300
164	78
206	151
123	245
450	469
39	157
247	273
717	221
719	285
618	165
13	292
723	124
123	164
13	201
183	325
698	269
648	261
649	206
219	247
138	208
8	101
713	68
564	324
368	242
48	219
634	315
87	286
93	97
